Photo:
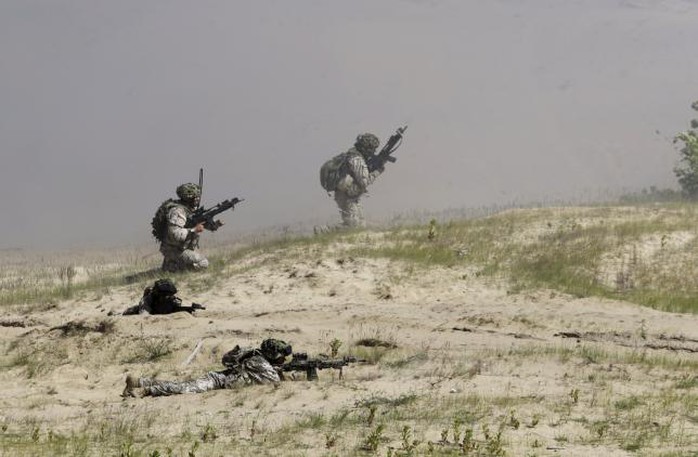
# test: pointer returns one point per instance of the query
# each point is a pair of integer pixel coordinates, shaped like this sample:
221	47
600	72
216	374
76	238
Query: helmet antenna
201	185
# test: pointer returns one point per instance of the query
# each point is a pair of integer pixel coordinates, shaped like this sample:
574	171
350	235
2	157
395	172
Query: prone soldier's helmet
161	298
164	287
189	193
275	351
366	143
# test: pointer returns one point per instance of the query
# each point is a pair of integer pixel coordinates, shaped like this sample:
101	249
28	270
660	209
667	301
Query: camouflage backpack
159	222
332	171
275	351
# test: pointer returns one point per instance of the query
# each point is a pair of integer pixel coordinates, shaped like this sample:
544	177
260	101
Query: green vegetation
687	171
150	349
642	254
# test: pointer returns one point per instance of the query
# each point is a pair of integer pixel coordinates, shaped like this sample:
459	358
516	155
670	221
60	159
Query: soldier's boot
132	383
321	230
325	229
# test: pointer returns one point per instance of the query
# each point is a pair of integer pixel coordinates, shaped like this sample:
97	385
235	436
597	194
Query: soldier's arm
359	171
146	305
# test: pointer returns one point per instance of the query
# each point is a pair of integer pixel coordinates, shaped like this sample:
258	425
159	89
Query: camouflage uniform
254	370
244	367
180	246
355	182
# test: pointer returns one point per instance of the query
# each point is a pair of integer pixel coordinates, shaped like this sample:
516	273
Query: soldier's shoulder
177	208
354	155
354	158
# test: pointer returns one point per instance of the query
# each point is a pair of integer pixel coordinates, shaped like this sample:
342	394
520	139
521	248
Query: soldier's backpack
332	171
159	222
271	349
237	355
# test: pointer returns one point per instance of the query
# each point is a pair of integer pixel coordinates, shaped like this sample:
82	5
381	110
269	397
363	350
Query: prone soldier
244	366
160	298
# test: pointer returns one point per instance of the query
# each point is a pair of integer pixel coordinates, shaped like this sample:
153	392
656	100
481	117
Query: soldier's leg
344	204
132	311
193	260
356	211
170	258
209	381
350	209
170	263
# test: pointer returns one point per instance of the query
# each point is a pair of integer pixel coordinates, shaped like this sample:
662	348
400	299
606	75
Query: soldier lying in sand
160	298
243	367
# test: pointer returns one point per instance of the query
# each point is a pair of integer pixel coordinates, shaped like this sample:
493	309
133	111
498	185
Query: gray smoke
107	106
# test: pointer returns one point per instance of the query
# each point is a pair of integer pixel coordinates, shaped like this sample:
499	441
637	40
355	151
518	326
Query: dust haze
105	107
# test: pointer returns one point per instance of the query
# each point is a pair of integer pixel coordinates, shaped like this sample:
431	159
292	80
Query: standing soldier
349	174
179	245
356	179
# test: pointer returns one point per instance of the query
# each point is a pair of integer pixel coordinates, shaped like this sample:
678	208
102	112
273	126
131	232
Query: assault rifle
301	362
378	160
205	216
174	305
188	309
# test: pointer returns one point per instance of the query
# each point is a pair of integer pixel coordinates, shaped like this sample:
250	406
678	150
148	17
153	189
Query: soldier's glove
213	225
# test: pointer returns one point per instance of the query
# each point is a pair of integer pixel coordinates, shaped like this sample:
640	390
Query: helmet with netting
275	350
367	142
189	191
164	287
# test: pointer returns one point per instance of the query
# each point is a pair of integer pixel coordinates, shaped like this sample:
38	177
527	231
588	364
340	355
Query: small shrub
408	444
150	350
209	434
330	440
335	344
374	439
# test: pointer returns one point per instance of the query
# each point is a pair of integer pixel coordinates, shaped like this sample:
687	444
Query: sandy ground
456	334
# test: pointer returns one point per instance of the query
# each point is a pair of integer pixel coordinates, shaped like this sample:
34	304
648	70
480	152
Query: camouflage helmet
275	350
188	191
164	287
367	142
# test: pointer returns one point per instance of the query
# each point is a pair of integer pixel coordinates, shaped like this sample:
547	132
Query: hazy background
106	106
